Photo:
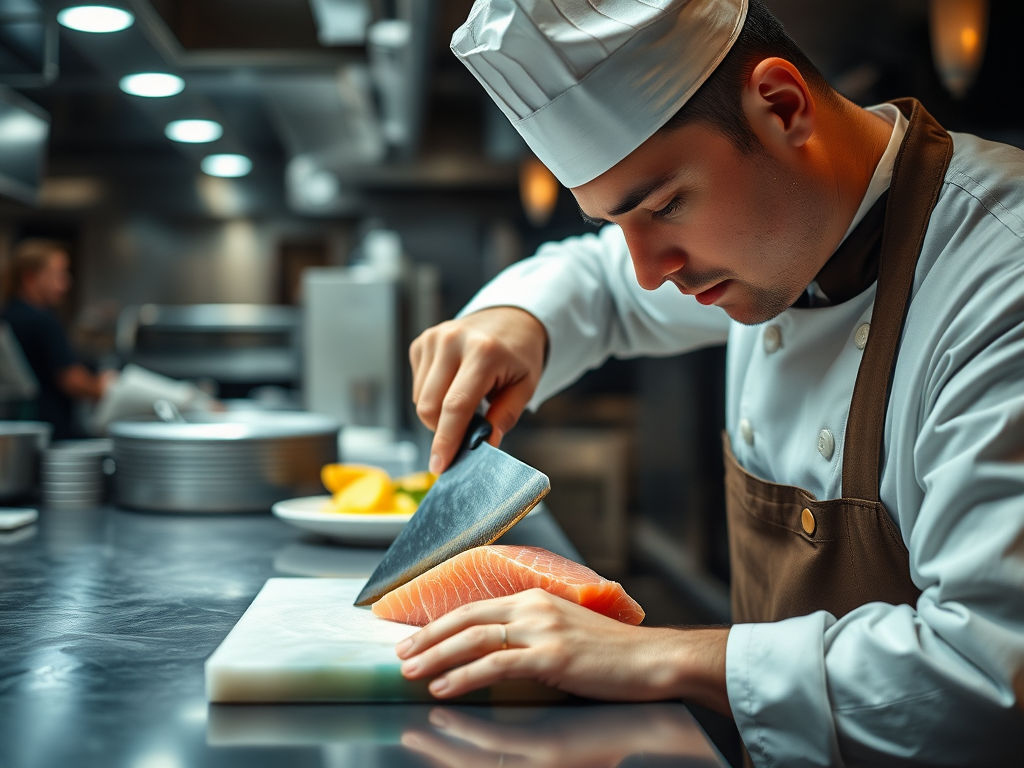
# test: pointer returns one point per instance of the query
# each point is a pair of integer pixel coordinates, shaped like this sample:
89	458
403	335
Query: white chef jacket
939	683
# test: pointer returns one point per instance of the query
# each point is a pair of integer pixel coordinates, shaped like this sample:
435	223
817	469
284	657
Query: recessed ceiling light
95	18
194	131
228	166
154	85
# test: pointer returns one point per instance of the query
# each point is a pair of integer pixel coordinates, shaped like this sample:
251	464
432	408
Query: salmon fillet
497	570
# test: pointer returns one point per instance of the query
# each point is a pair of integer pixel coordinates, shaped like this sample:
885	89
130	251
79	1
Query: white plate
311	513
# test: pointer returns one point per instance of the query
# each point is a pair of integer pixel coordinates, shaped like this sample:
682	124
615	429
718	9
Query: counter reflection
581	736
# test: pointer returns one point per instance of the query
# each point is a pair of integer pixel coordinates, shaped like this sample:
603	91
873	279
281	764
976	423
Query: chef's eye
673	206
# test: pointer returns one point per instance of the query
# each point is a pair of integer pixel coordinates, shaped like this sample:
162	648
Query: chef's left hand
565	646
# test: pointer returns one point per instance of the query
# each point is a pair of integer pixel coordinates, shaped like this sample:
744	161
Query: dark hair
28	257
718	102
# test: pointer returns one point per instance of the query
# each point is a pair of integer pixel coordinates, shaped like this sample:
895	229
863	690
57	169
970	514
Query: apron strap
918	177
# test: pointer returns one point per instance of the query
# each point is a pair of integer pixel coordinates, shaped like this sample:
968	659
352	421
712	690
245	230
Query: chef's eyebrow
638	194
631	200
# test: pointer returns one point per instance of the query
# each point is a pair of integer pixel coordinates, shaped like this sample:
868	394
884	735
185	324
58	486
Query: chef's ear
778	104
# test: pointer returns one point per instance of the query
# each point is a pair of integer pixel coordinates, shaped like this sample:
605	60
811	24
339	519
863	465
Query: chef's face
729	227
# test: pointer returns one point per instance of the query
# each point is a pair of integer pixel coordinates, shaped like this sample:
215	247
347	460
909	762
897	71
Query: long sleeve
941	682
585	293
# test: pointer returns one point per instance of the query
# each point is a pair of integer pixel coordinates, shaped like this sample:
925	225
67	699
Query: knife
478	498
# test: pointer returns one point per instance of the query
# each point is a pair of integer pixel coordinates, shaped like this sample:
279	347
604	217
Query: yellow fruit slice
405	504
336	476
416	482
372	492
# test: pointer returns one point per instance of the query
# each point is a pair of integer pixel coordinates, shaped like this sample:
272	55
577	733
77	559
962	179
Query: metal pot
235	462
20	444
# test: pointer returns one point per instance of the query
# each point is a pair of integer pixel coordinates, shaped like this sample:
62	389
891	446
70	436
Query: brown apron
791	554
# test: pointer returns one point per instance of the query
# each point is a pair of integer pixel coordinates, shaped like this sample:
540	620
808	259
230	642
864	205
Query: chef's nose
653	259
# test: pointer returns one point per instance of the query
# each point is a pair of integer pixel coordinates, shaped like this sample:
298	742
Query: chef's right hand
496	353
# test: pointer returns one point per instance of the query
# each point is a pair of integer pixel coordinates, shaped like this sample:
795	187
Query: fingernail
411	740
439	686
436	463
440	719
403	646
410	667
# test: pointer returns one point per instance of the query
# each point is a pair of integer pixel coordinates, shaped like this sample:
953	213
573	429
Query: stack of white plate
72	473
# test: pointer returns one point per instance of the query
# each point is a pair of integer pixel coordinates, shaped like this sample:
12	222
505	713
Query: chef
867	271
36	282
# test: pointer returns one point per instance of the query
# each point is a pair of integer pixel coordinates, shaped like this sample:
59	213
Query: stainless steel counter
106	618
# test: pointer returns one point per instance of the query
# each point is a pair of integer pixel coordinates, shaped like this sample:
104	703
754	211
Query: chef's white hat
586	82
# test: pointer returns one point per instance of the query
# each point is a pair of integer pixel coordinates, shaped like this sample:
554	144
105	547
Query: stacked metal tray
72	473
214	463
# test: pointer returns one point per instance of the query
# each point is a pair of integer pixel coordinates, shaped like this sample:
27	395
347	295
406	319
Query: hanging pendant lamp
538	190
959	31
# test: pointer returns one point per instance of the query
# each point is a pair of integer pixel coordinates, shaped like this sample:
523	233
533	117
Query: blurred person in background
36	281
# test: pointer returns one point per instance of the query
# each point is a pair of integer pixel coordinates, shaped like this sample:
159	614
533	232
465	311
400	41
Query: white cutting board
303	640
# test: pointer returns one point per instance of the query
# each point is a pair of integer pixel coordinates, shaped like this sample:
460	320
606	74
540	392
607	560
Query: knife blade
478	498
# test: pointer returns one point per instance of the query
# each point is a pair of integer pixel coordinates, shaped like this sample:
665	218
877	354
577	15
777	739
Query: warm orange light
538	190
969	40
959	30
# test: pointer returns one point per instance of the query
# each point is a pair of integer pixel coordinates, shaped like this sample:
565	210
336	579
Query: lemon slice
405	504
372	492
336	476
417	482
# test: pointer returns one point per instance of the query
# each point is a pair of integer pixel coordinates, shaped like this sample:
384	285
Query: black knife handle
479	430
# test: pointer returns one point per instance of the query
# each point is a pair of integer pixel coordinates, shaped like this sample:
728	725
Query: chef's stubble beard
768	302
763	302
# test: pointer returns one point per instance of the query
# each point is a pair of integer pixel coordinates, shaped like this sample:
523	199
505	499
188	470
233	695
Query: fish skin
497	570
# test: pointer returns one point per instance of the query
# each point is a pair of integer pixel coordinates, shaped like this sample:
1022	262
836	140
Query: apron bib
791	554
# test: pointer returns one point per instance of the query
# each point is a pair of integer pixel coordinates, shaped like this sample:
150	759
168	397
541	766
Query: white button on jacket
826	444
860	339
747	431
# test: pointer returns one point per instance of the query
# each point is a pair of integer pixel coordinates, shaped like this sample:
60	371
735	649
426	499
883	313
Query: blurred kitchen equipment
22	145
20	444
240	461
238	346
379	448
137	391
12	519
167	411
351	346
18	385
358	322
72	473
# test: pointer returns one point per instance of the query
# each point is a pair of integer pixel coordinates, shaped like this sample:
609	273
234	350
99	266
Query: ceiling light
228	166
321	188
194	131
95	18
154	85
959	31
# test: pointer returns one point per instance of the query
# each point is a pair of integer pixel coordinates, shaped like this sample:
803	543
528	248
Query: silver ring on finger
504	637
